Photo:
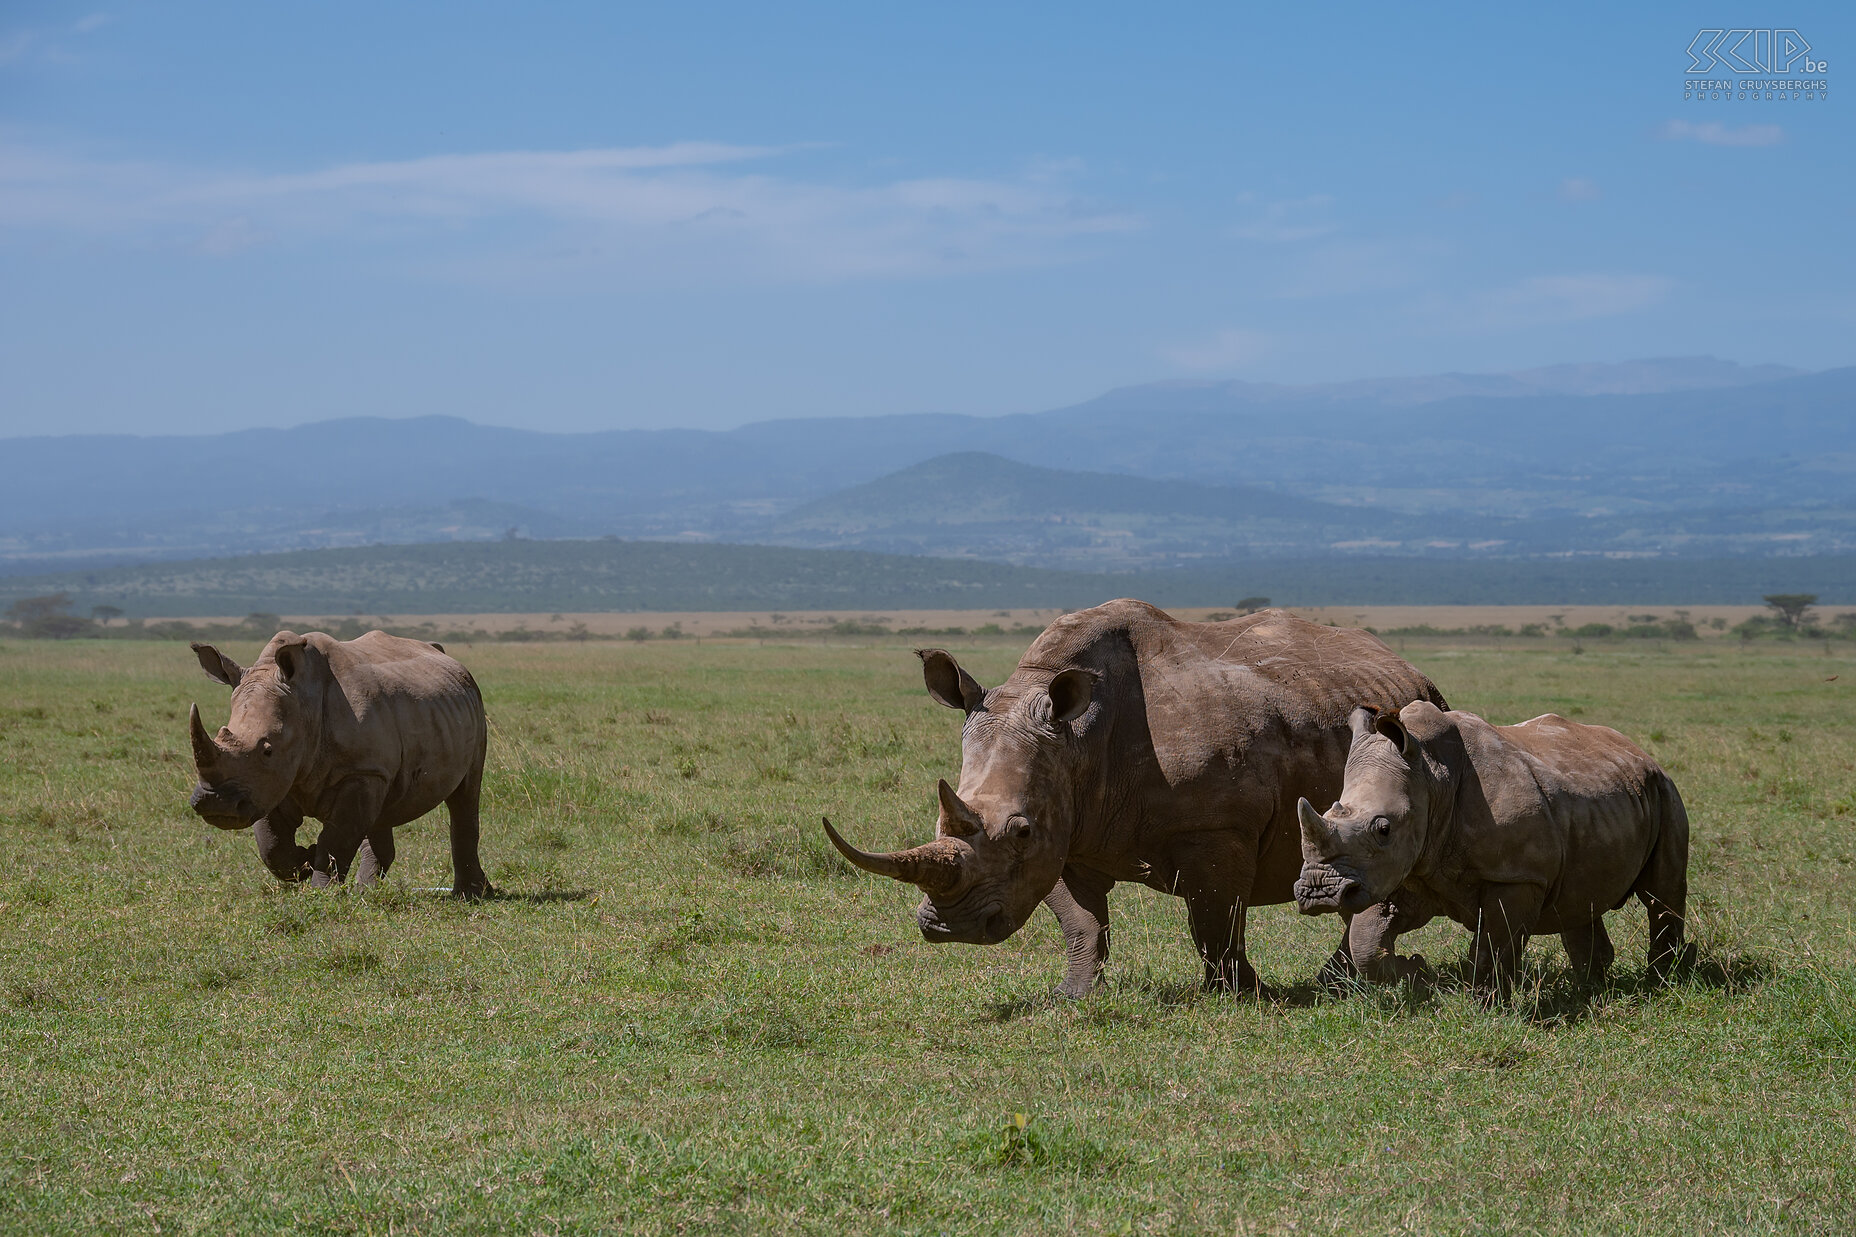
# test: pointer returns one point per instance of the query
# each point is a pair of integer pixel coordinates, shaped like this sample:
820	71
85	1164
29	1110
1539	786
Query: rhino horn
957	818
1314	826
933	868
205	750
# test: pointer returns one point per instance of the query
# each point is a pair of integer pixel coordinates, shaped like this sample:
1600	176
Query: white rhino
364	735
1509	830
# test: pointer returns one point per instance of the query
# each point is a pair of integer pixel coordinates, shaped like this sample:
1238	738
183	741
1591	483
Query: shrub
48	617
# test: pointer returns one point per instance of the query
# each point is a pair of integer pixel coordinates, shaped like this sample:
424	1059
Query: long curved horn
934	867
1314	827
205	750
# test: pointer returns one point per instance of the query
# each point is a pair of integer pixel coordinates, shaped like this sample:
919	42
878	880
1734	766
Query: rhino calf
363	735
1509	830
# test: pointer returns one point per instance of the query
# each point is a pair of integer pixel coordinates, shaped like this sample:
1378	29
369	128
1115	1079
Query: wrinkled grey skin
1511	831
1129	746
363	735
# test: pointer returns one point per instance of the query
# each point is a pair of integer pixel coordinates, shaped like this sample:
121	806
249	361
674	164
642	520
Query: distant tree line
52	617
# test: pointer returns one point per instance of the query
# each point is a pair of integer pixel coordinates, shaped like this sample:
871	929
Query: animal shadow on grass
1546	994
542	896
532	897
1011	1009
1551	994
1124	997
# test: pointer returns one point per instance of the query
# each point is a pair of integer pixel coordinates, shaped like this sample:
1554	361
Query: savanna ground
685	1013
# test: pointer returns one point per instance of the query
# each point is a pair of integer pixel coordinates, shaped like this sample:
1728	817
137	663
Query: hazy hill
973	504
980	505
1646	377
1574	442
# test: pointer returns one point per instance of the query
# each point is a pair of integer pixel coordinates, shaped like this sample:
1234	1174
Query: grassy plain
687	1014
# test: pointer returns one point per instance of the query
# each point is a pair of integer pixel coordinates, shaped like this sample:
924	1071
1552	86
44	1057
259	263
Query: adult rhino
362	734
1131	746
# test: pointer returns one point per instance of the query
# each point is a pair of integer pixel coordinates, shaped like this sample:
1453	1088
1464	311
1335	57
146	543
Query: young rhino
1509	830
362	734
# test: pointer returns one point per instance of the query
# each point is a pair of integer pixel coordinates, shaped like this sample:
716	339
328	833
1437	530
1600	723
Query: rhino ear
1070	694
218	667
1360	721
291	656
948	683
1395	730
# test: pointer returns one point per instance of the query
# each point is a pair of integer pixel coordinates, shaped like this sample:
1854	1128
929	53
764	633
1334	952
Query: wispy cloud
1714	133
1579	189
41	42
1341	267
1304	252
1230	348
16	45
708	202
1285	220
1544	299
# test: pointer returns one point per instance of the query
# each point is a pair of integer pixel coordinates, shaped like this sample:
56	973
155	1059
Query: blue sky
601	216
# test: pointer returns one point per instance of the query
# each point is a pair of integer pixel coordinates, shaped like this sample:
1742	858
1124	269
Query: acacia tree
1791	607
47	617
1250	605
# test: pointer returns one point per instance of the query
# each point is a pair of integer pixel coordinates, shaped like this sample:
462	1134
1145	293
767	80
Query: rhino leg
1216	886
1080	902
1339	968
330	861
277	844
374	858
467	875
1663	889
1368	945
1218	931
357	807
1505	919
1589	950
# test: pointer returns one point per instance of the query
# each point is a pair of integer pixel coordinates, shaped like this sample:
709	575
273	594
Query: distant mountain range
1686	457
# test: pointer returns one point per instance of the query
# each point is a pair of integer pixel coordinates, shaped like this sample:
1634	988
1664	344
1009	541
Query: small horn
205	750
959	819
934	868
1314	826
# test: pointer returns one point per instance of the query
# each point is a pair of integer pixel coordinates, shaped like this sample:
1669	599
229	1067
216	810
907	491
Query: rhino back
1576	808
402	710
1224	726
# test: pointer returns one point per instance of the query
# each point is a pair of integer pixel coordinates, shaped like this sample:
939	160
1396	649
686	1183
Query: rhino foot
1337	974
473	891
1675	968
1414	967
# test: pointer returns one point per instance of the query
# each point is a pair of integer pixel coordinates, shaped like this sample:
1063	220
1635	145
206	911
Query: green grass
687	1014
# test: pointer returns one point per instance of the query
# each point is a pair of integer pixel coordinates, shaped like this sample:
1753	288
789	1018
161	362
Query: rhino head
1002	838
1365	846
247	769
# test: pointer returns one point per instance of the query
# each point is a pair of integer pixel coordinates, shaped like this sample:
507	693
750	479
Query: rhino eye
1382	827
1019	827
265	747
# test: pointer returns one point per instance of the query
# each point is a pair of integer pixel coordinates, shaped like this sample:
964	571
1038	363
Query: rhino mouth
988	927
1325	890
225	807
